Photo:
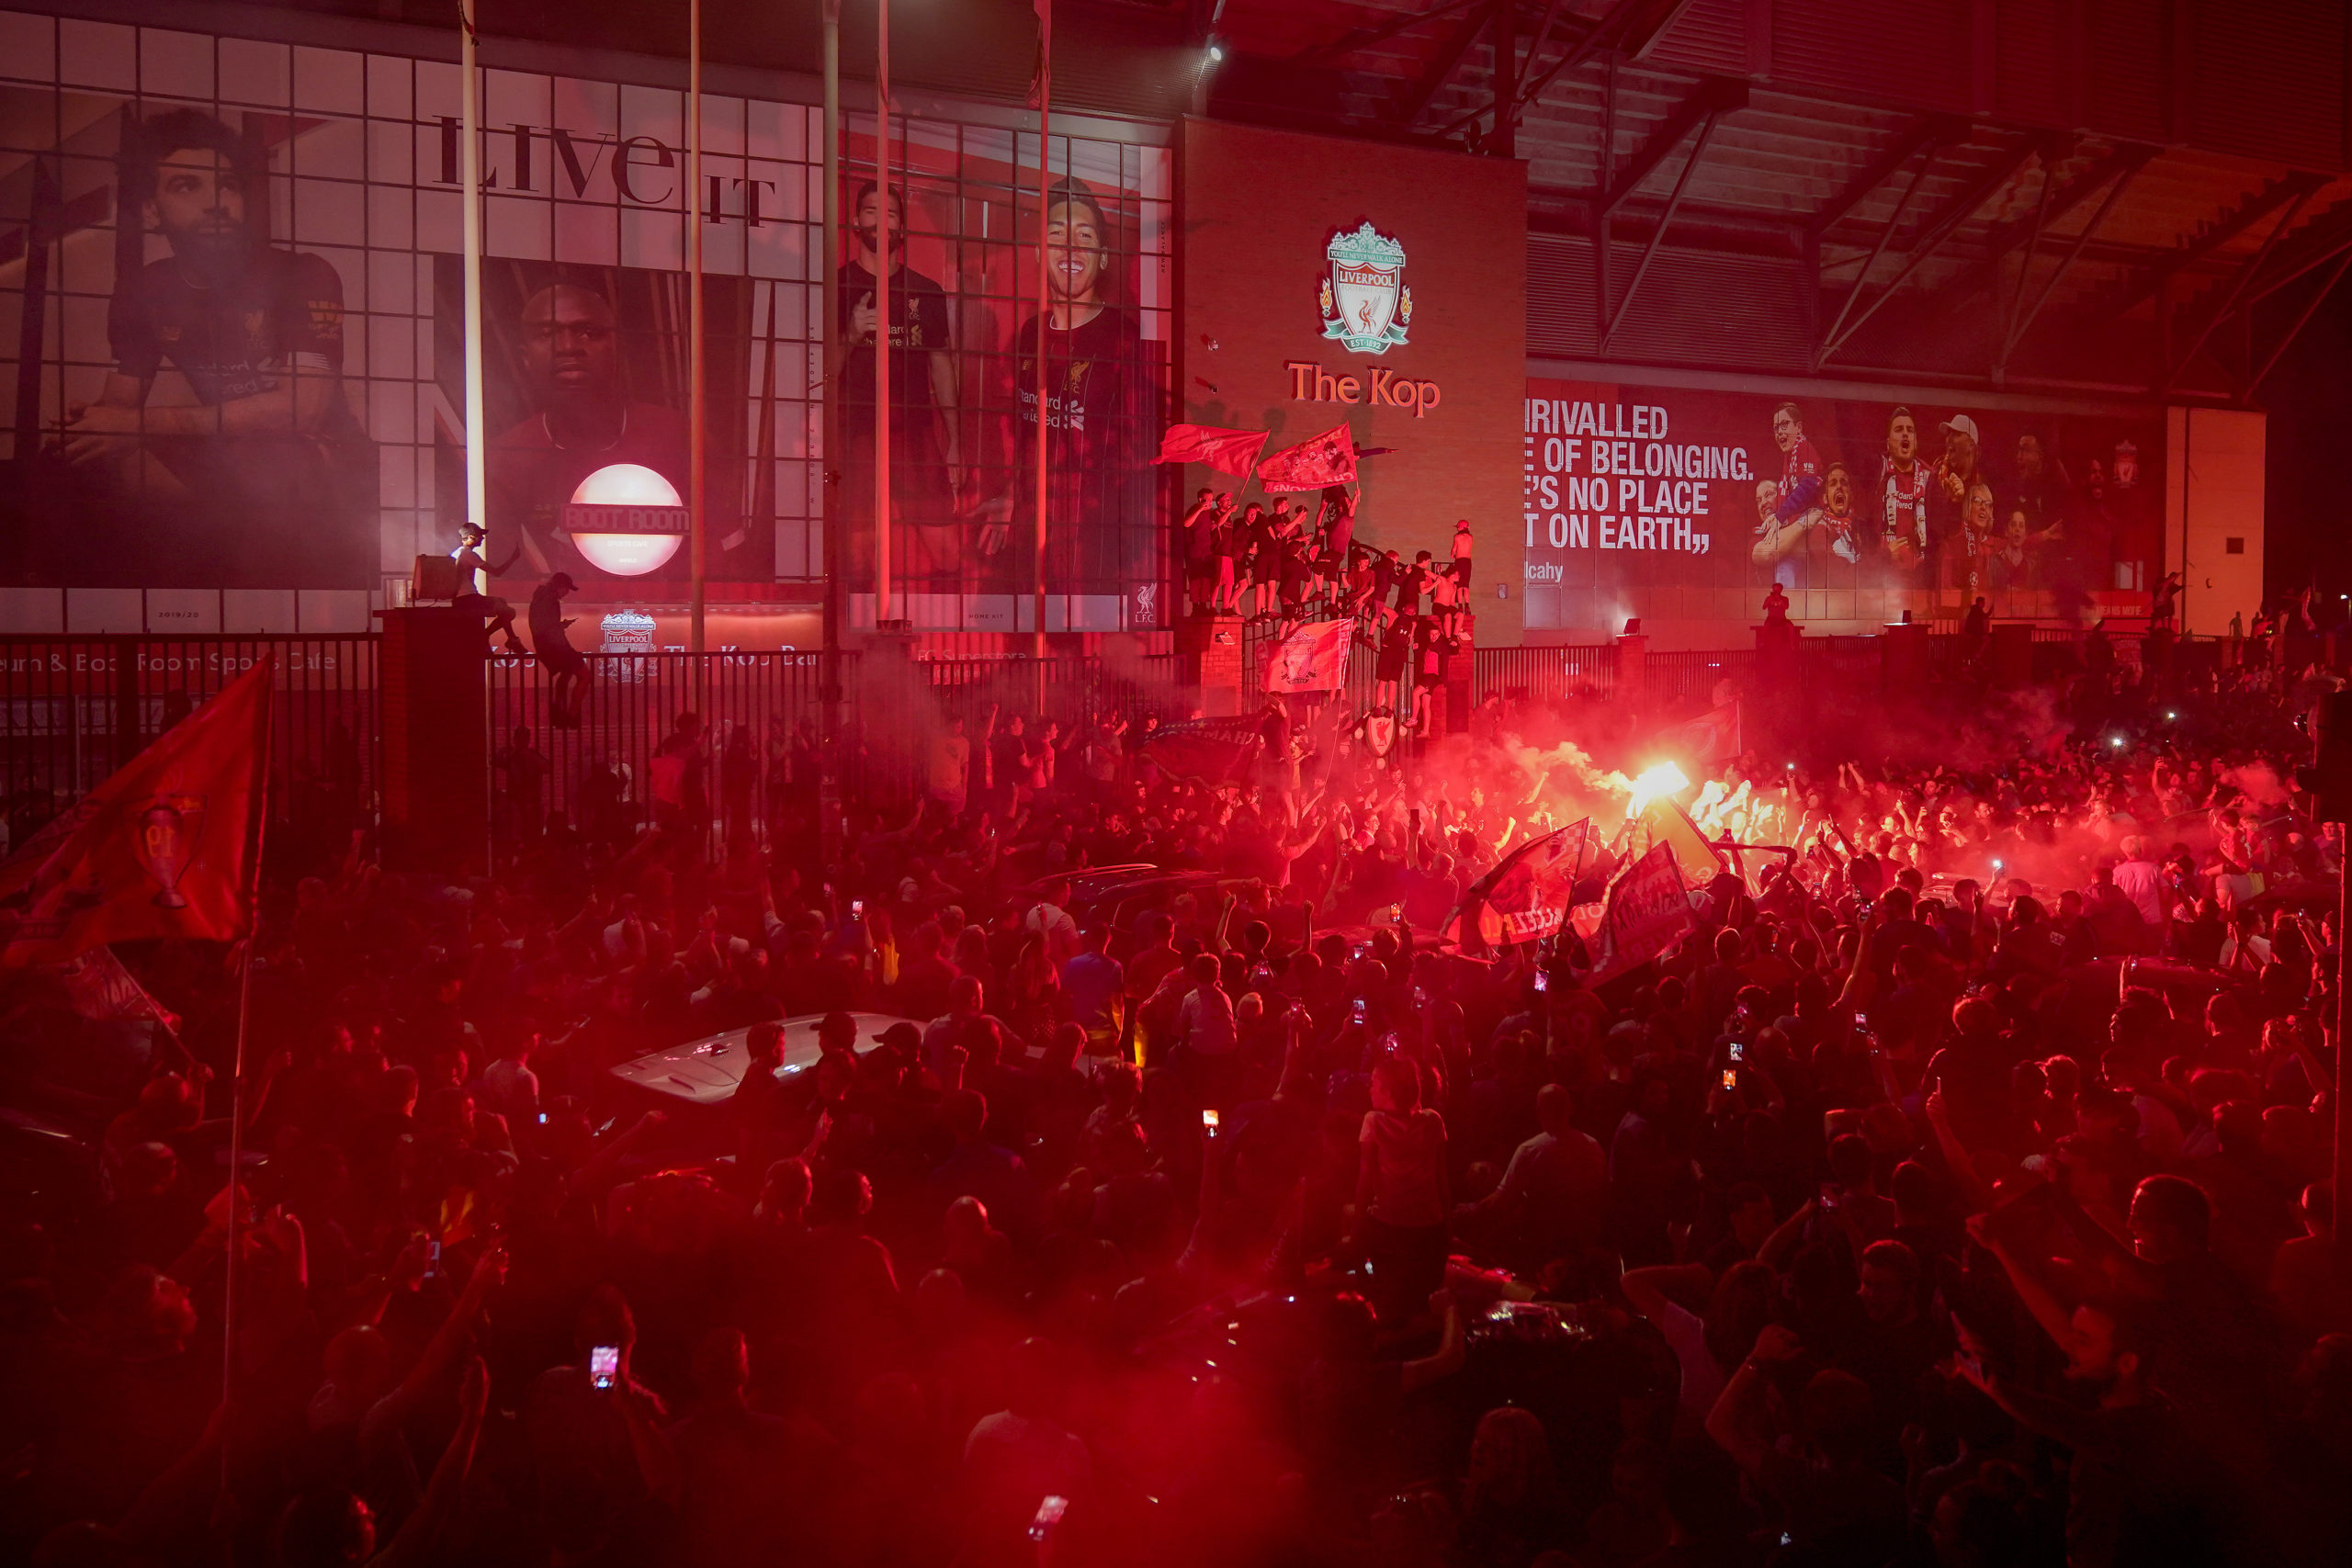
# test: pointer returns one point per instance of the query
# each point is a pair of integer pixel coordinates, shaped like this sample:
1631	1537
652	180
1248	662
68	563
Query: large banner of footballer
961	218
179	416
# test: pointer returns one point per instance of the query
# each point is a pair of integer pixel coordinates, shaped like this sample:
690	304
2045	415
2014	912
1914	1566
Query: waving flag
1319	461
1525	897
1206	751
1226	451
164	847
1312	659
1709	739
1649	911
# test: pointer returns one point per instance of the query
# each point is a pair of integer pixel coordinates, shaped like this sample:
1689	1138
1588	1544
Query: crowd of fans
1247	1218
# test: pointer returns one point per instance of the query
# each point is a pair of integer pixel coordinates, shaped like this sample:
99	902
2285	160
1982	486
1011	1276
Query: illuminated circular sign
626	519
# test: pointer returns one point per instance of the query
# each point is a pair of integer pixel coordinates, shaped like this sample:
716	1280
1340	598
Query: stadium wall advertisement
233	384
1685	507
1329	282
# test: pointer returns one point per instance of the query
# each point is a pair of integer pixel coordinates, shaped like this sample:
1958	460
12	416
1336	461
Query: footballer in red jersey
1102	413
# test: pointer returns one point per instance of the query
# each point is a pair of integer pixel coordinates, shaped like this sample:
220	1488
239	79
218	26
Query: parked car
705	1072
1123	894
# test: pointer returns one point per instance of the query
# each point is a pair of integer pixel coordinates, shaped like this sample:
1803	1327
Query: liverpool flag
1316	463
1226	451
1312	659
161	849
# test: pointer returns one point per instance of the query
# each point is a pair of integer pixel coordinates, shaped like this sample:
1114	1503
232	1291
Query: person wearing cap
900	1036
837	1034
1958	472
562	662
1049	918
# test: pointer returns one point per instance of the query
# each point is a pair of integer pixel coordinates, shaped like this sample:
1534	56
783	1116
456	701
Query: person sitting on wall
564	664
474	572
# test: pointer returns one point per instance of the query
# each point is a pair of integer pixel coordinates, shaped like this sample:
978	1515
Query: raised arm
1451	1349
420	1531
1736	1421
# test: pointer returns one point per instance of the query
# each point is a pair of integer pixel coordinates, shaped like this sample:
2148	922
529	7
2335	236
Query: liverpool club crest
1366	303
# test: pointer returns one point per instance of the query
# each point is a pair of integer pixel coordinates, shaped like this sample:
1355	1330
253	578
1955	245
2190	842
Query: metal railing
1548	672
599	774
73	708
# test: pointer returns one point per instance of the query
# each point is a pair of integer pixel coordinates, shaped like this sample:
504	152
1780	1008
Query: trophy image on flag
169	831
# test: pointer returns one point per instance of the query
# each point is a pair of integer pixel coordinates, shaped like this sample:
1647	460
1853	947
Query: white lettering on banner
1648	911
1610	463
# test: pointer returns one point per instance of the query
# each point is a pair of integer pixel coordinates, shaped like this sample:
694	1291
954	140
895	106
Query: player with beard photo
926	441
248	468
1837	511
1100	413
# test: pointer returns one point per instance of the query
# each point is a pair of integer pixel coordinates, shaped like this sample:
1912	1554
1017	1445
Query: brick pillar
1903	657
1633	669
436	748
1210	648
2012	654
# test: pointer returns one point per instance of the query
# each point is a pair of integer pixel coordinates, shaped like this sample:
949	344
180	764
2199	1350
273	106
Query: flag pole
258	831
882	616
828	766
1045	310
697	438
470	161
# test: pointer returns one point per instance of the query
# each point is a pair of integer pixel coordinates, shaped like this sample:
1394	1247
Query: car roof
706	1071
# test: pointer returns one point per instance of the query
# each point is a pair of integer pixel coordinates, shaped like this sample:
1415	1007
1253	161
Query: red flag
1226	451
1648	912
1325	459
1040	82
1206	751
163	847
1312	659
1709	739
1525	897
102	989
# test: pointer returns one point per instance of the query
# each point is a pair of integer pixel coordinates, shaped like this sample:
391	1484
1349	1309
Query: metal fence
1548	672
599	774
75	708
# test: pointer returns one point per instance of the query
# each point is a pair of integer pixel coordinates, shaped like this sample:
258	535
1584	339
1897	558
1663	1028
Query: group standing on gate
1276	559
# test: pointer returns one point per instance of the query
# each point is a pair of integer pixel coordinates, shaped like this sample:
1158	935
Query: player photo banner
585	374
187	421
971	400
1687	506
